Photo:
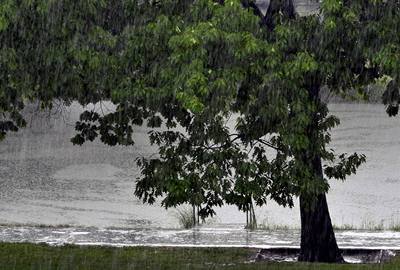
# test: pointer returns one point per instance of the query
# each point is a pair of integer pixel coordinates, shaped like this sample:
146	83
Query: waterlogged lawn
43	257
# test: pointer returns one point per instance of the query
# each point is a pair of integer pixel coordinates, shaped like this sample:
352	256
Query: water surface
44	179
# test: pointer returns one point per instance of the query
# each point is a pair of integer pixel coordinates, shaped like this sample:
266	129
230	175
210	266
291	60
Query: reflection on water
44	179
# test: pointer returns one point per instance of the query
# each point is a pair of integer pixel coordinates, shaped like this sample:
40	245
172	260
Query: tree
220	59
190	66
56	50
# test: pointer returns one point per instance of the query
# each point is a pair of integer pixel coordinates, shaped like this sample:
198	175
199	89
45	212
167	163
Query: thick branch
249	4
252	5
277	7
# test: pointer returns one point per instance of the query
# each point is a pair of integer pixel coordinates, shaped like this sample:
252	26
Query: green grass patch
44	257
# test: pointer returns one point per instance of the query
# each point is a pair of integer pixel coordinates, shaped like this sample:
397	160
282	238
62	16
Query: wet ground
351	255
227	235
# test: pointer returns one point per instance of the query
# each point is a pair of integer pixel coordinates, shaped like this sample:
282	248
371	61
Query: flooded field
44	179
227	235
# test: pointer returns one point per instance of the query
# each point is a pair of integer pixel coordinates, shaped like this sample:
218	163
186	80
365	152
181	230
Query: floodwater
225	235
218	235
44	179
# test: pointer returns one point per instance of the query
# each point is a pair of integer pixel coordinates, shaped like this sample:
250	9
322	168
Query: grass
344	227
395	227
185	218
266	225
39	225
369	226
274	227
364	227
23	256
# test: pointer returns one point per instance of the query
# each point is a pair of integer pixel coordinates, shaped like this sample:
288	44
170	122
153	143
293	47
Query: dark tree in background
236	92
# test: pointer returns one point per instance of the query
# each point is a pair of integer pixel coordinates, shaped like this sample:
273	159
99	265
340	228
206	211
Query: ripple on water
83	172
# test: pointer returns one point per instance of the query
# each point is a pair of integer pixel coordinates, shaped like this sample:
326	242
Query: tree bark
194	215
318	242
278	8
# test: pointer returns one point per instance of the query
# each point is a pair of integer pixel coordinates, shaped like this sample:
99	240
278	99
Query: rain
58	193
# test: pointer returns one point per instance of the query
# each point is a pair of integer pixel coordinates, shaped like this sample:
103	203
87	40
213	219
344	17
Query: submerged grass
185	218
395	228
274	227
369	226
344	227
44	257
39	225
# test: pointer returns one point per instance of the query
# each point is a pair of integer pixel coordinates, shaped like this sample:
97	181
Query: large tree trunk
318	241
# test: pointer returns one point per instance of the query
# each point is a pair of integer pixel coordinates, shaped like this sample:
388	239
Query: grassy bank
43	257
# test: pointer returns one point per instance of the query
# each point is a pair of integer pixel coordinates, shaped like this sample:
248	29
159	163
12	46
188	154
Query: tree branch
277	7
268	144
